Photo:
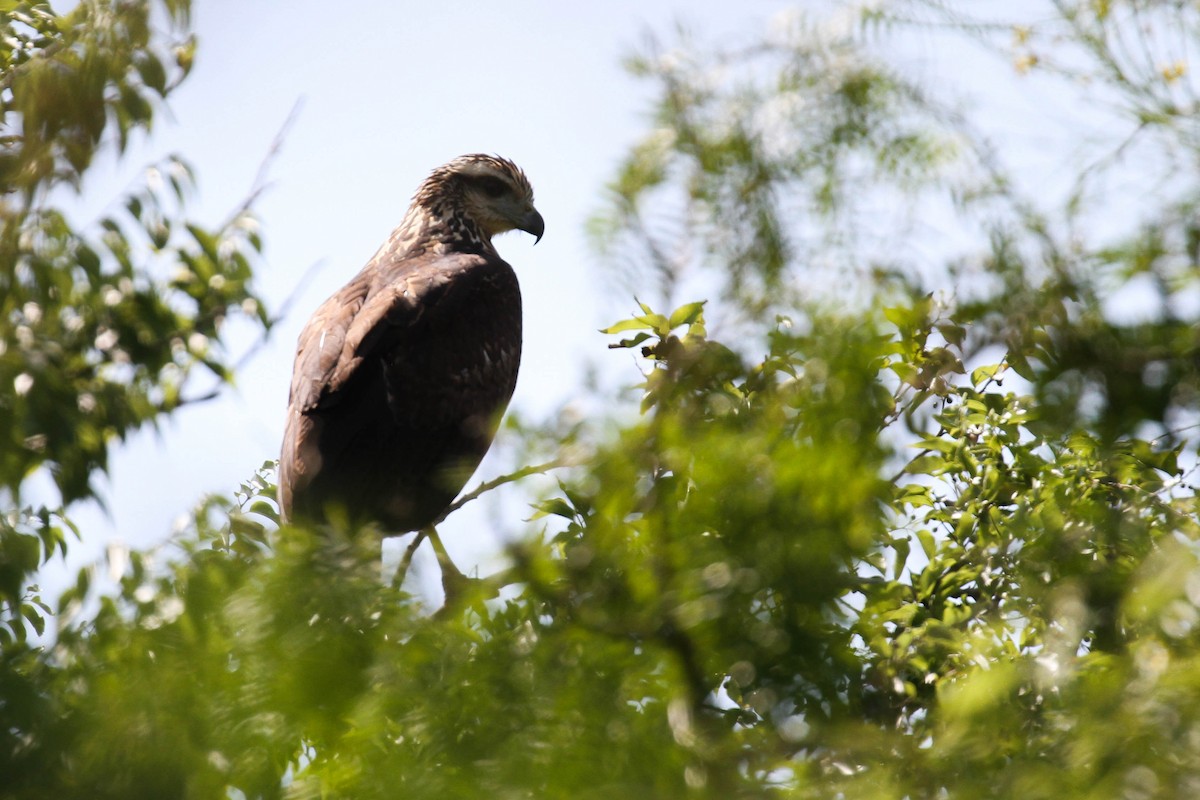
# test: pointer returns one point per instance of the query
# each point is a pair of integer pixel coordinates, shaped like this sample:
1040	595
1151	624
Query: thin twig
406	562
261	183
487	486
305	279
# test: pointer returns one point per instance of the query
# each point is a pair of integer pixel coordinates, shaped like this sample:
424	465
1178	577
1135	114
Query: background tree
102	327
926	531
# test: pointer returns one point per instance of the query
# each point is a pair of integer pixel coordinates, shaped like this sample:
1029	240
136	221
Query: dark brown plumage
401	376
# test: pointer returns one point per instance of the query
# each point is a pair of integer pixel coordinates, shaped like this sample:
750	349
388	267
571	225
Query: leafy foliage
101	327
888	542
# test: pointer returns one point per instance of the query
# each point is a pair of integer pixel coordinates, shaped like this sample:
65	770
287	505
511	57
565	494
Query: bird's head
492	191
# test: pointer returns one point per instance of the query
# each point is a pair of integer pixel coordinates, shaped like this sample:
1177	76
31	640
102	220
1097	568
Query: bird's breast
455	367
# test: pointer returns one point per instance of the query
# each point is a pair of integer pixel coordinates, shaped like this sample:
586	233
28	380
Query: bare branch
261	182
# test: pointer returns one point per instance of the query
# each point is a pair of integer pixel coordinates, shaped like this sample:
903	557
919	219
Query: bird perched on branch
401	376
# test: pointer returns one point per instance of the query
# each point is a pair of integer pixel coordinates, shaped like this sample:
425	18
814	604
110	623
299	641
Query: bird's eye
492	187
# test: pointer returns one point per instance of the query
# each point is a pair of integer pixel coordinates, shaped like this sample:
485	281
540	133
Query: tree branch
261	183
487	486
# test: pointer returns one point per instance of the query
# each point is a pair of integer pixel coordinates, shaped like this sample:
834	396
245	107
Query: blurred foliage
903	528
103	325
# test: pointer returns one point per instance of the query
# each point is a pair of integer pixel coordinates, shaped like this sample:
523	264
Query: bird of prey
402	375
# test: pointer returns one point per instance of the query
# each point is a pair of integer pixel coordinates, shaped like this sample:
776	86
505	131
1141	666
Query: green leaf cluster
104	326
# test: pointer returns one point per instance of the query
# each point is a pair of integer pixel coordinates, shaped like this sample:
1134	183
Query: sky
378	94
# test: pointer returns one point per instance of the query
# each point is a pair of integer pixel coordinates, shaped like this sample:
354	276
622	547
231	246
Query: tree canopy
881	518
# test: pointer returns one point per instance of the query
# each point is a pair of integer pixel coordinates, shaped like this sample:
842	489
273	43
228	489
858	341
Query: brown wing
399	380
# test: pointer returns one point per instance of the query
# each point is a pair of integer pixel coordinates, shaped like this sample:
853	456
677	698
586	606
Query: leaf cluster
103	326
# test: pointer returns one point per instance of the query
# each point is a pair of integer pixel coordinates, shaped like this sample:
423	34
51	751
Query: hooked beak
533	223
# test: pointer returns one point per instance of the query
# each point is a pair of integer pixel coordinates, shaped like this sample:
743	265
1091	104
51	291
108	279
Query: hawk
401	376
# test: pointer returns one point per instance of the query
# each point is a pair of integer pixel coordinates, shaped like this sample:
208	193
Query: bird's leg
406	562
453	581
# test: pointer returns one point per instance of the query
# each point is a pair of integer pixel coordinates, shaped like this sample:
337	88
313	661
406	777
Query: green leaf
954	334
34	617
981	375
686	314
635	324
657	323
152	73
555	506
633	341
901	546
916	495
928	543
